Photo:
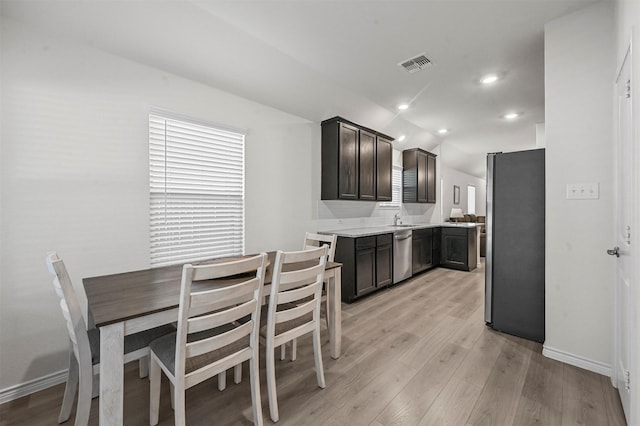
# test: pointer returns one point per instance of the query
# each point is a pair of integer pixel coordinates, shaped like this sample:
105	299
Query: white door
624	236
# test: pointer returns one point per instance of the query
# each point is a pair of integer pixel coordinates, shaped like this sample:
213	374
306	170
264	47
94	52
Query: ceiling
319	59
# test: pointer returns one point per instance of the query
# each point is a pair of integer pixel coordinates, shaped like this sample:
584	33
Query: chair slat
293	313
217	367
224	269
294	333
302	275
299	256
210	344
205	322
298	293
224	294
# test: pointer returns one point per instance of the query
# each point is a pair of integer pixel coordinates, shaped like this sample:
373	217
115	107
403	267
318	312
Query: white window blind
196	179
396	189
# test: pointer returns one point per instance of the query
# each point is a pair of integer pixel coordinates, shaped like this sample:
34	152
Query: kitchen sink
402	226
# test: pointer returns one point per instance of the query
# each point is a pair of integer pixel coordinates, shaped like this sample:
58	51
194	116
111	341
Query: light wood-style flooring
415	354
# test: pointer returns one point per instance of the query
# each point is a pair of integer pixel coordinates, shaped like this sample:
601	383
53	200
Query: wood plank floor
415	354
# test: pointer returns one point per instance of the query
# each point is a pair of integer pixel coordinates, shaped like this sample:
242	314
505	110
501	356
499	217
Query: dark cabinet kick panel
356	162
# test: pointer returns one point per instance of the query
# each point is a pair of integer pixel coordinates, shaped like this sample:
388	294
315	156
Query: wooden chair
84	353
213	332
294	309
312	241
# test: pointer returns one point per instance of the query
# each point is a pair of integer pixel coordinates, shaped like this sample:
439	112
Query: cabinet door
431	179
454	249
384	265
365	270
367	166
435	246
416	253
384	169
422	247
422	177
348	159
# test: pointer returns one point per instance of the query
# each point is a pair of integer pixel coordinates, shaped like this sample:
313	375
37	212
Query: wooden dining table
130	302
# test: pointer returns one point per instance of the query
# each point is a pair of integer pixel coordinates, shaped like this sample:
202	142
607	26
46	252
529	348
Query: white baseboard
578	361
32	386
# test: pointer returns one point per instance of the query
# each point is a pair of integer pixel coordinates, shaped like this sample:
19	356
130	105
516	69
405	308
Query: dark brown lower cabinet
459	249
367	264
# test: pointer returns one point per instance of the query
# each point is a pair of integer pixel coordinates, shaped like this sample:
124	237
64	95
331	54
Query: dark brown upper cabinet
418	176
356	162
384	167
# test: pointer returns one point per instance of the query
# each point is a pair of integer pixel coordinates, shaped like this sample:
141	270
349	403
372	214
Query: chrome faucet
396	218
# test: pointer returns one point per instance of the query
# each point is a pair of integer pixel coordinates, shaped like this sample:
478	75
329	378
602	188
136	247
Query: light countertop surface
385	229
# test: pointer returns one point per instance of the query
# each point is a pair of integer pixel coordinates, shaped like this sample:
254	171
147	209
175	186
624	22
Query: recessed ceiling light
443	131
488	79
402	107
511	115
401	138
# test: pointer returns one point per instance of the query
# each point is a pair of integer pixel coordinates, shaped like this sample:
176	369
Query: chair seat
132	342
165	349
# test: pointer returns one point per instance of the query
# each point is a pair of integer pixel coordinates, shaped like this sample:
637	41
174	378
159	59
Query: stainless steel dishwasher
401	255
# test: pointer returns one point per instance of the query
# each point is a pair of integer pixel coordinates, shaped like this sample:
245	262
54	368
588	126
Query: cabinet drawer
366	242
422	233
385	239
455	231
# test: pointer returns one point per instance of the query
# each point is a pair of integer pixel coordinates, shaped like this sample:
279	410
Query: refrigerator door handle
488	286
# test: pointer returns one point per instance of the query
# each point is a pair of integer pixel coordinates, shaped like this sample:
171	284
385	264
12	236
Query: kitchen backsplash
333	215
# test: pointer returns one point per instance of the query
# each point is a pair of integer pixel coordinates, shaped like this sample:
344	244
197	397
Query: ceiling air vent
416	64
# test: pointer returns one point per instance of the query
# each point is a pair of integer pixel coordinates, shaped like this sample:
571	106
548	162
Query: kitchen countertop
386	229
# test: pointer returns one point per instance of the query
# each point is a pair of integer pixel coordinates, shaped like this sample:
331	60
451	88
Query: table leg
334	292
111	374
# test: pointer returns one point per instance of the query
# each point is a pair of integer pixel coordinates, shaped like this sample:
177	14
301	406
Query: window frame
196	190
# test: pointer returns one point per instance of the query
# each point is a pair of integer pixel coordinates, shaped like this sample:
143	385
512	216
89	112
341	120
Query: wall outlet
583	191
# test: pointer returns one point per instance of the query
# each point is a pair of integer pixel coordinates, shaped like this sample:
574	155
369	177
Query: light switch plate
583	191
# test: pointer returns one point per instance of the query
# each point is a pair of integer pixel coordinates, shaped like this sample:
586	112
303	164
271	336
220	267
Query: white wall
74	167
541	137
451	177
579	76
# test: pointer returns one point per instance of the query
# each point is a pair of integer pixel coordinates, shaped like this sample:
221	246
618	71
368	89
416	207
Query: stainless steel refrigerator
514	269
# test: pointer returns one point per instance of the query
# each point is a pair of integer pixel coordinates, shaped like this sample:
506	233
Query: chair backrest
71	309
312	240
209	314
296	288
